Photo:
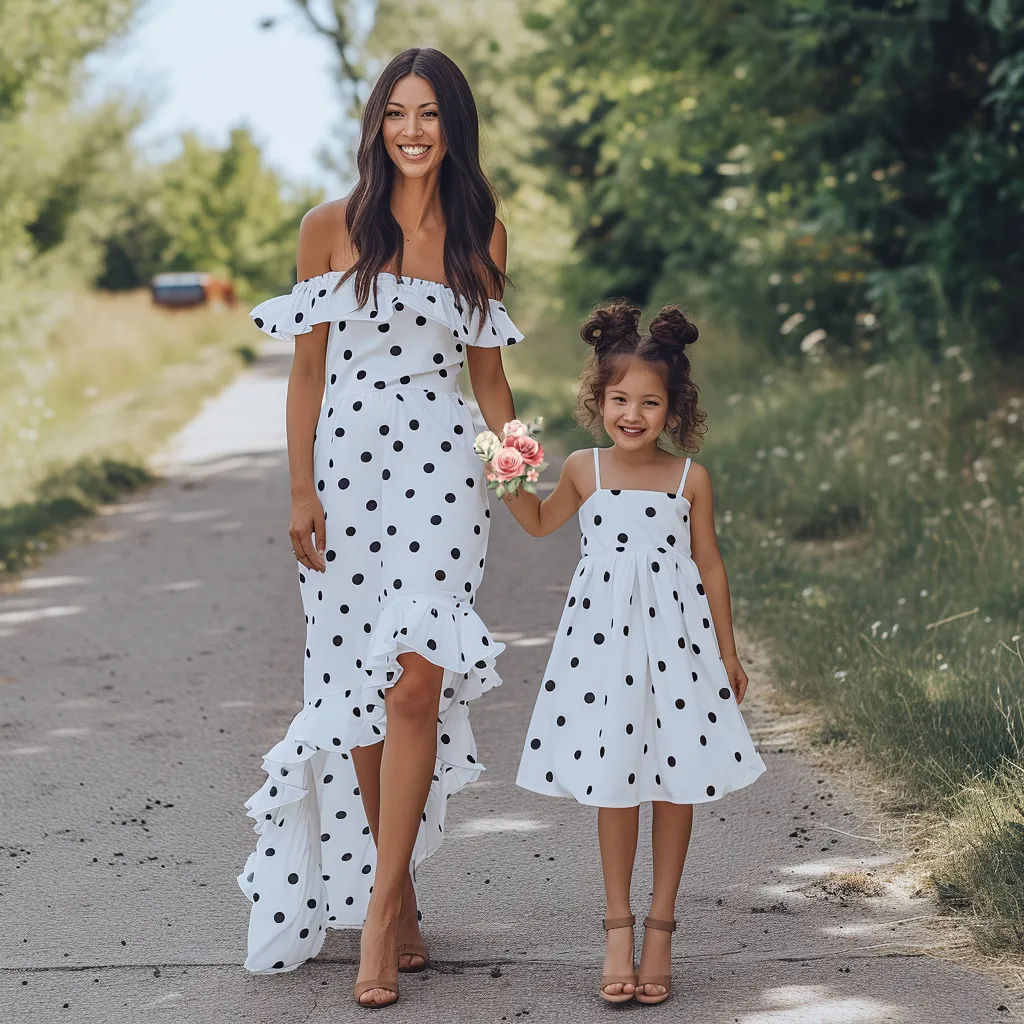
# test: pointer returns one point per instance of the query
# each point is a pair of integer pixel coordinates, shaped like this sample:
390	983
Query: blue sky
206	65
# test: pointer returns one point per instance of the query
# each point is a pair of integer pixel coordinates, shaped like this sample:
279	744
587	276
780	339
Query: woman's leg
670	840
617	832
367	765
406	771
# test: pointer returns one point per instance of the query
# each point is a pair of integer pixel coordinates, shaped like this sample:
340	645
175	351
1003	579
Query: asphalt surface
144	673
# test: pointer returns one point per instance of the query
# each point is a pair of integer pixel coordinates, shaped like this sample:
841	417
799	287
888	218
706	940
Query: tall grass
91	395
872	519
112	377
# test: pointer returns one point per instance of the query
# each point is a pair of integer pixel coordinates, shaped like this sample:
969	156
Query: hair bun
611	323
673	328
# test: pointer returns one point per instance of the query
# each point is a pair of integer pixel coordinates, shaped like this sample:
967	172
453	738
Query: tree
832	164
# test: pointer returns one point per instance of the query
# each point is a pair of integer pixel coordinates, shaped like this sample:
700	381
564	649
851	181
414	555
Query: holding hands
512	462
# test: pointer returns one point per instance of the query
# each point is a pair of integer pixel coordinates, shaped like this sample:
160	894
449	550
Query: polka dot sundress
406	518
635	704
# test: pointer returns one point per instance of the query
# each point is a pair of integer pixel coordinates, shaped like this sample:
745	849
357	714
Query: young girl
639	699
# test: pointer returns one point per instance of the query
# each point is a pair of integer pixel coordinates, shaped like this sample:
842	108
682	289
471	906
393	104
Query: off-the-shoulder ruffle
319	300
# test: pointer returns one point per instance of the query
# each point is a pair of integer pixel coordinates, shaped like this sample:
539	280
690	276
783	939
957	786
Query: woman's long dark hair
468	199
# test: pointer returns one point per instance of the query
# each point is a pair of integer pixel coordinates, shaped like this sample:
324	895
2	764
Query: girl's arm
305	393
708	559
487	375
539	518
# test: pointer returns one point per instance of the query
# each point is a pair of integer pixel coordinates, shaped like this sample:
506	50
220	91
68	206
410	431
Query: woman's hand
307	523
737	677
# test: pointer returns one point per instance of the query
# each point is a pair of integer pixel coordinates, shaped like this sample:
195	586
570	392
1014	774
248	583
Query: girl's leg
617	832
406	770
670	840
367	765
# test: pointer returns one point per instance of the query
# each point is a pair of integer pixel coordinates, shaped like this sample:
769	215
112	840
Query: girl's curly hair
613	332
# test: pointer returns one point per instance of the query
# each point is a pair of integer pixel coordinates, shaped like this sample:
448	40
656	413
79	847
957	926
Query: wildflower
799	456
926	456
782	308
874	371
965	376
943	666
987	502
998	442
824	486
874	627
896	459
913	424
813	339
895	626
892	435
780	452
936	387
830	181
902	601
839	675
924	593
775	279
794	321
952	352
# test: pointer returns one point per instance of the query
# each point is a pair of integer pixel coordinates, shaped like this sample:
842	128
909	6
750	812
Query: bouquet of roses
513	462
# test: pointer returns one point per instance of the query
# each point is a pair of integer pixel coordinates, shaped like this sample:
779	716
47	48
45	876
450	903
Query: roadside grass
872	520
85	402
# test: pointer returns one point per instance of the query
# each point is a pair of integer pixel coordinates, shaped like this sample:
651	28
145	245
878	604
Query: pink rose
507	464
530	449
514	428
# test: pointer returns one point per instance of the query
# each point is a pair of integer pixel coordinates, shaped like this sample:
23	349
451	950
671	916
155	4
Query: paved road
143	675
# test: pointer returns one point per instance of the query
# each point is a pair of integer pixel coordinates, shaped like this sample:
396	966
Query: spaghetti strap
597	470
686	469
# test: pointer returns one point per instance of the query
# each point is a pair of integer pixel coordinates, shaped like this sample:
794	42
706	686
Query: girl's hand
307	522
737	677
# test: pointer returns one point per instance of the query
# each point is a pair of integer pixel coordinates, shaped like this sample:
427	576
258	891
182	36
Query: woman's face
635	408
412	127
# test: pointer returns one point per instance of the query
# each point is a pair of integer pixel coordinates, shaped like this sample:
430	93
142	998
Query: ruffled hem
319	300
304	888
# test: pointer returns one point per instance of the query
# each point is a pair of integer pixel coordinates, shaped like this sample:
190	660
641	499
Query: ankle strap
610	923
661	926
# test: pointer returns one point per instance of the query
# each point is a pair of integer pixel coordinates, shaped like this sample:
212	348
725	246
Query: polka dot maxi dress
406	520
635	704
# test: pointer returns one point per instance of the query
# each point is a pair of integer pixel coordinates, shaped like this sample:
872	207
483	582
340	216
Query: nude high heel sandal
618	979
664	980
389	984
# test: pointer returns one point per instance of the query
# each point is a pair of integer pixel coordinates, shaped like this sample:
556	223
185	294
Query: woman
399	285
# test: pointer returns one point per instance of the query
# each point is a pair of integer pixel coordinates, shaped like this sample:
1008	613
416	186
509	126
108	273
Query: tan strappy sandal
664	980
413	949
383	982
618	979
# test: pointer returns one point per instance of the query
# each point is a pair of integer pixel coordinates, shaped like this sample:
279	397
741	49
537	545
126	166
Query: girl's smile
635	408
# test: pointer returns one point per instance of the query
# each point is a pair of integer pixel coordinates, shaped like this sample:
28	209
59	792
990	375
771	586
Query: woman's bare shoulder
323	239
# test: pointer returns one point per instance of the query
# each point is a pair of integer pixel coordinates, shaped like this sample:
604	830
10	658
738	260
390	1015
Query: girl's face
412	127
635	408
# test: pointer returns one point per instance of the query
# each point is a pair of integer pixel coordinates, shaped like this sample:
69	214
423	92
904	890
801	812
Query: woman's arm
708	559
539	518
305	394
487	375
